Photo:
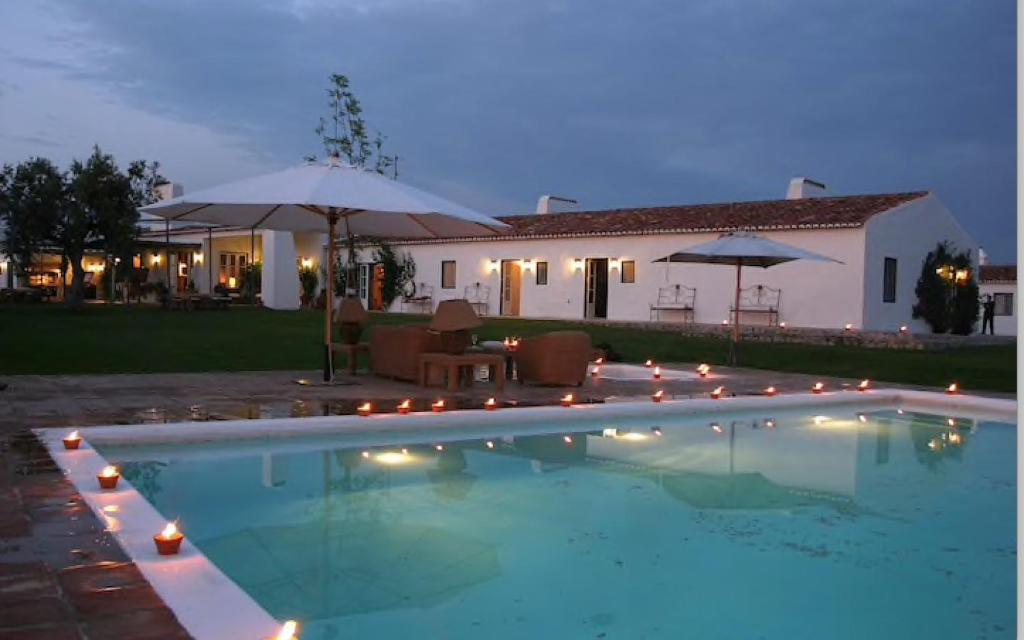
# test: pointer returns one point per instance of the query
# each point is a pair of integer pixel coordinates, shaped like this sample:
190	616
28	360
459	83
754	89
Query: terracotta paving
63	576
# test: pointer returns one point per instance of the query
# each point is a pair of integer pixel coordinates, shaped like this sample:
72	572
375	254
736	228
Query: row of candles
168	541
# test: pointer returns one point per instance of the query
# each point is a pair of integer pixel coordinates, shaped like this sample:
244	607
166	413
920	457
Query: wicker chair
395	350
559	358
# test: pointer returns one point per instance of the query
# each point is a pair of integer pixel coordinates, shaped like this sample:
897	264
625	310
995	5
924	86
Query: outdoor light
307	263
649	363
861	417
864	385
657	373
725	323
393	457
955	438
567	400
934	444
614	263
656	431
491	404
848	327
703	370
771	391
439	447
364	409
287	631
818	387
658	395
567	439
156	258
232	282
951	422
405	407
577	264
72	441
820	420
494	264
903	329
366	454
769	423
717	428
717	392
437	407
490	444
108	477
782	325
527	264
953	389
168	541
197	257
962	275
511	343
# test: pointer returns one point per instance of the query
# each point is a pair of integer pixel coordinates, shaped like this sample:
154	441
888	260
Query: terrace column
280	270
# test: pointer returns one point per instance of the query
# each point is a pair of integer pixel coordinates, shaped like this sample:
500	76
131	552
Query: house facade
601	264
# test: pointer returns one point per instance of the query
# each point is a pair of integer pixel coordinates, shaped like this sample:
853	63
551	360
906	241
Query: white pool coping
211	606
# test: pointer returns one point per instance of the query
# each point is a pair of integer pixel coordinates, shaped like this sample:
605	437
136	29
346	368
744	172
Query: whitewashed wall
813	294
1003	325
907	233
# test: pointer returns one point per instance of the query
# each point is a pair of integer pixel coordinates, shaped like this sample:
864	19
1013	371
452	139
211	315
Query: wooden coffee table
454	364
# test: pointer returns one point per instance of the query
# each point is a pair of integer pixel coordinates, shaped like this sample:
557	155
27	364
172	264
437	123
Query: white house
600	264
1000	282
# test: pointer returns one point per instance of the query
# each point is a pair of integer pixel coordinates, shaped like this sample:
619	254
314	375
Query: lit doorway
511	283
595	288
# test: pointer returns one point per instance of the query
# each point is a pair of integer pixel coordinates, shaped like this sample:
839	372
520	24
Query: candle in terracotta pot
437	407
405	407
658	395
72	440
168	541
364	409
491	404
818	387
567	400
108	477
717	392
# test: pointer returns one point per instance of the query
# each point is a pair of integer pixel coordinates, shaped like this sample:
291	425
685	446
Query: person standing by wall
988	315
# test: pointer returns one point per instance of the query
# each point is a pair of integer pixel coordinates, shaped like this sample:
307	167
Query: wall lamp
577	264
614	263
494	265
527	264
156	258
197	257
307	263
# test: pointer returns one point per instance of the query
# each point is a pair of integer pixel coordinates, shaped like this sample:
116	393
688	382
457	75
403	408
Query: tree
32	194
947	292
344	134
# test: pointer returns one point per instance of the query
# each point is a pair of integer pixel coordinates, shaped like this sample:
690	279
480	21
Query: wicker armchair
559	358
395	350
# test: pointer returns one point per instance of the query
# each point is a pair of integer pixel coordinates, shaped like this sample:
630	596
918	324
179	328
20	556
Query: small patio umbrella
742	250
315	197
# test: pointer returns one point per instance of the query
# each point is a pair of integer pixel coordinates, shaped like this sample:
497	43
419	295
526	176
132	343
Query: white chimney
555	204
804	188
168	190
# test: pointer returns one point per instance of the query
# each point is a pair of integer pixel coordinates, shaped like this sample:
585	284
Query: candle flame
288	630
439	447
864	384
717	391
770	391
567	398
703	369
782	325
717	428
491	402
955	438
659	393
599	361
596	370
73	435
405	404
648	363
848	327
169	531
439	404
953	388
490	444
818	386
903	328
366	406
657	372
109	471
568	439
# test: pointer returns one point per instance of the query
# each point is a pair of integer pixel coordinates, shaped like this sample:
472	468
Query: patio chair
479	296
422	299
559	358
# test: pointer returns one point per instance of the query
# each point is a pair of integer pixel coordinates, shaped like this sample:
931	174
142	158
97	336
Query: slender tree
344	134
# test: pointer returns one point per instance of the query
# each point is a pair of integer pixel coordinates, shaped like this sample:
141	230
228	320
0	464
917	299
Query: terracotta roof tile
999	273
764	215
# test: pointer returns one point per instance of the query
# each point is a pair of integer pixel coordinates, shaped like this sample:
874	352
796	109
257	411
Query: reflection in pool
850	525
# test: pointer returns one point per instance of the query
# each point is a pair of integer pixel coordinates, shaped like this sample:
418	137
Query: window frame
541	265
632	272
455	277
889	292
1005	295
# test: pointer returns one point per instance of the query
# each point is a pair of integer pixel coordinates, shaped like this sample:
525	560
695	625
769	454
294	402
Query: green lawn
47	339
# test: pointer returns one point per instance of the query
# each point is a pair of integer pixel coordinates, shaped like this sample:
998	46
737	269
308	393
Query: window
232	266
542	273
889	280
628	271
1004	303
447	274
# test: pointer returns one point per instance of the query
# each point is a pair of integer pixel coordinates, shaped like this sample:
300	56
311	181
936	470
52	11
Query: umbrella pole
734	345
332	219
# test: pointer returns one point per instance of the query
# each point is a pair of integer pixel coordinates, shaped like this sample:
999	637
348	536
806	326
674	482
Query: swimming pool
842	520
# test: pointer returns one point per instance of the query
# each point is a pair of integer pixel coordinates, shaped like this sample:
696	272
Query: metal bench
676	298
422	299
479	297
760	299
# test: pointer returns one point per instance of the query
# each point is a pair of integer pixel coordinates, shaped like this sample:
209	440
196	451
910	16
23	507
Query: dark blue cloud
614	103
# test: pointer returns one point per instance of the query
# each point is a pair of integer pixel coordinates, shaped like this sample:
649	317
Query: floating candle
72	440
108	477
168	541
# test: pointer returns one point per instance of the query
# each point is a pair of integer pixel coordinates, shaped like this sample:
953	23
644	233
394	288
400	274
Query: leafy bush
399	271
309	280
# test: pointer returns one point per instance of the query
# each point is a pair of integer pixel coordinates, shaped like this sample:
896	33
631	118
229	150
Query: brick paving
62	575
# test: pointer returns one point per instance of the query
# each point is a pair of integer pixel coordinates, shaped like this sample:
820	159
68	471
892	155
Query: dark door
596	288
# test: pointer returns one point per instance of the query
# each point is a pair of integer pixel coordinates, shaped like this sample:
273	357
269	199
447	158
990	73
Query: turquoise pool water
881	525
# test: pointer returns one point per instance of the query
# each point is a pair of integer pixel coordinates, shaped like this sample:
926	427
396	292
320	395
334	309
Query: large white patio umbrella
316	197
742	250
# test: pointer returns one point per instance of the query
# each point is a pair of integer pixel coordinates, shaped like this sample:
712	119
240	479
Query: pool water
879	524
